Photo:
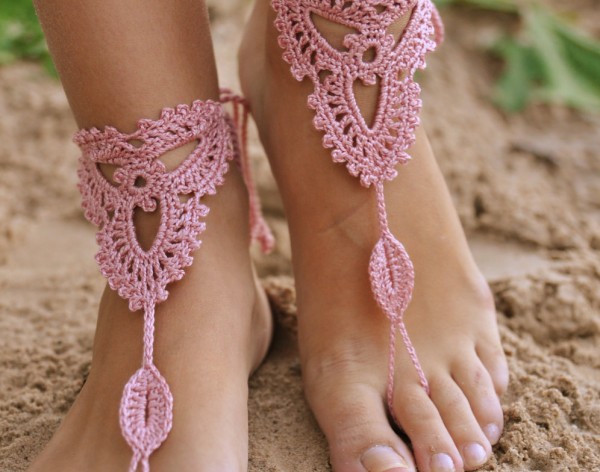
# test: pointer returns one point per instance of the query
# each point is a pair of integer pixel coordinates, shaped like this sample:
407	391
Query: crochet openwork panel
370	55
370	151
142	181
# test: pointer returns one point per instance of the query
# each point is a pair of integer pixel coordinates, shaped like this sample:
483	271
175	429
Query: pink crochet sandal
141	276
370	153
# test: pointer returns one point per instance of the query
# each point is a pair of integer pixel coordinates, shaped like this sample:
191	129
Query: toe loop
392	281
146	412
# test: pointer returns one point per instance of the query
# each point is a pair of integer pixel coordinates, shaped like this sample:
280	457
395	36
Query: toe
476	384
433	447
353	417
460	421
384	459
493	358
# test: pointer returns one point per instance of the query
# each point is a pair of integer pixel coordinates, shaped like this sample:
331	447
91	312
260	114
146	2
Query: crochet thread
141	276
370	152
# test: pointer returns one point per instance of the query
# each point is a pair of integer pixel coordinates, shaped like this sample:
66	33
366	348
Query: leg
342	332
119	62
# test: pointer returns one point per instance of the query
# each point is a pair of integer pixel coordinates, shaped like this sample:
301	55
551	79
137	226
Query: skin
116	69
343	335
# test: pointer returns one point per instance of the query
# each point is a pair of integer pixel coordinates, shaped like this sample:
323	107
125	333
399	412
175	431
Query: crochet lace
370	152
141	276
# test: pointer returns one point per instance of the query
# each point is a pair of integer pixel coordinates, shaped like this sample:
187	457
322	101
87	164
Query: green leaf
582	52
506	6
568	78
550	61
523	70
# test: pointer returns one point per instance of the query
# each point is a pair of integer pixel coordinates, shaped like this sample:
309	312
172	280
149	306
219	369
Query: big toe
353	417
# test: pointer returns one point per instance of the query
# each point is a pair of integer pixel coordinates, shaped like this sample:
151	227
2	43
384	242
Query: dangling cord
259	230
393	292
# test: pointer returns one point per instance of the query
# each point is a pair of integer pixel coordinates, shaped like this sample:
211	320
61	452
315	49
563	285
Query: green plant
21	36
507	6
550	61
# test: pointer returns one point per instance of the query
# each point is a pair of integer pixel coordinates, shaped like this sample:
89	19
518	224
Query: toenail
383	459
492	432
474	454
442	463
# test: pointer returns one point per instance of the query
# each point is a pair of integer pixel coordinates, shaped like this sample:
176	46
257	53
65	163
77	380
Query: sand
527	189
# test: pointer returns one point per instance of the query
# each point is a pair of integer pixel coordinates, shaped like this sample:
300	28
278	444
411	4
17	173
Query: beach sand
527	189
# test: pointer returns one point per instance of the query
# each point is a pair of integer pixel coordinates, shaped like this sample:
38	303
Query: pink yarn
370	152
259	230
140	276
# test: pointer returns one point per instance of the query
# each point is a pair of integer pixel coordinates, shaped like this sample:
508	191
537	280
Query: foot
343	335
212	331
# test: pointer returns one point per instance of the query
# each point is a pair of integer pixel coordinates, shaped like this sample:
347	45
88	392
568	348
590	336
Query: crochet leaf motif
370	151
392	276
146	413
143	181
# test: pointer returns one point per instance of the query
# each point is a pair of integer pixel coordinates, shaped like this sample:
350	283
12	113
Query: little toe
460	421
478	387
493	358
433	446
354	419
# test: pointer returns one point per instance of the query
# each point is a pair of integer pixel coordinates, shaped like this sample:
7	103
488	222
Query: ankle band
370	152
141	276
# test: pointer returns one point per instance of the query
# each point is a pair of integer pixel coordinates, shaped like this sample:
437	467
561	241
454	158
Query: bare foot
343	335
213	330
